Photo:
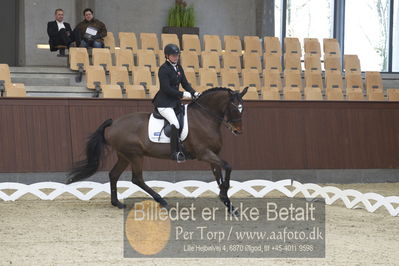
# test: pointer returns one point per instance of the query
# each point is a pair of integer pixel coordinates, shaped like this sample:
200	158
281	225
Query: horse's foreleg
137	179
223	182
114	175
217	165
217	172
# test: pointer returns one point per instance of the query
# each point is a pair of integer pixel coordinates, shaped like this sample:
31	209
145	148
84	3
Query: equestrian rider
171	75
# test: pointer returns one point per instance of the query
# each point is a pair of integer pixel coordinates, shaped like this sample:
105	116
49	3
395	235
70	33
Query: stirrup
179	157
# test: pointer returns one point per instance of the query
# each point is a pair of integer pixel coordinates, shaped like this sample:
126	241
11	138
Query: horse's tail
94	153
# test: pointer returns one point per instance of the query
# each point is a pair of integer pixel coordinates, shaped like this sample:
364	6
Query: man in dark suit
59	32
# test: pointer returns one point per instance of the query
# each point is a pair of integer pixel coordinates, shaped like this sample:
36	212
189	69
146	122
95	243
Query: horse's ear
243	92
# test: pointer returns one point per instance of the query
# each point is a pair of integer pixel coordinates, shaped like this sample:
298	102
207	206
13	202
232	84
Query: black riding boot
176	152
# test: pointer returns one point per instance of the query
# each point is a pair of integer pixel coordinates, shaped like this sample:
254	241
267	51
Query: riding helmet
171	49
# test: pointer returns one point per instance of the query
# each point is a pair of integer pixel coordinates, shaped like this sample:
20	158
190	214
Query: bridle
225	122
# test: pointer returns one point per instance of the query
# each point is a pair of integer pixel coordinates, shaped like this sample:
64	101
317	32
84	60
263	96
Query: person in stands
59	32
91	31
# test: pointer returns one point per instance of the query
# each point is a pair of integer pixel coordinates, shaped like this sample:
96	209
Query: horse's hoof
225	200
163	203
119	204
234	211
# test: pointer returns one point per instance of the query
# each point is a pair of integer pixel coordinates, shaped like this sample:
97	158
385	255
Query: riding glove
187	95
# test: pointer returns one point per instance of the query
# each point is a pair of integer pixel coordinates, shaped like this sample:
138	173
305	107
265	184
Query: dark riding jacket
52	31
169	81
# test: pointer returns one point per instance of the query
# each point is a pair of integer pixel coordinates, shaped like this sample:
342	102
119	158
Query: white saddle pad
157	135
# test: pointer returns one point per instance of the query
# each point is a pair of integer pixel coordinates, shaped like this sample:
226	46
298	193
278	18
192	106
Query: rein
225	122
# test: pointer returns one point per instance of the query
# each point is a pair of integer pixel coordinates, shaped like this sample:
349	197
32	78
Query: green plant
180	15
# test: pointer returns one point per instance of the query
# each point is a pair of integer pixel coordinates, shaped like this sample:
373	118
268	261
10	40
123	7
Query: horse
128	136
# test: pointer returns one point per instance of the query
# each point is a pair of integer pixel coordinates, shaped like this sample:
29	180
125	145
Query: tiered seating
292	46
95	77
208	79
146	58
331	47
354	86
109	42
119	76
142	76
78	60
272	62
252	94
230	79
292	62
149	41
167	38
271	74
189	60
102	57
138	92
124	57
312	63
312	47
250	78
293	85
212	43
334	87
232	61
272	46
252	45
232	44
314	85
374	88
213	66
272	85
191	78
332	63
272	80
191	43
15	90
393	94
7	88
111	91
128	40
211	60
252	61
352	63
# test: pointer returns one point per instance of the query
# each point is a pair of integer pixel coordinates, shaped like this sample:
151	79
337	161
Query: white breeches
169	114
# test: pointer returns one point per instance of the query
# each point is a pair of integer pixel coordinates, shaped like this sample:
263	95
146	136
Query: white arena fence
351	198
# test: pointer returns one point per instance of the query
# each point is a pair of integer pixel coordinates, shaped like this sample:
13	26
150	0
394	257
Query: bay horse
128	136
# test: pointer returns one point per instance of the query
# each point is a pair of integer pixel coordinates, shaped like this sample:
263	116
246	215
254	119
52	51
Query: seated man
90	32
59	32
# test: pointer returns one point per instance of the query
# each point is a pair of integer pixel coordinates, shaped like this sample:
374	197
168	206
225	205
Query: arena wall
47	135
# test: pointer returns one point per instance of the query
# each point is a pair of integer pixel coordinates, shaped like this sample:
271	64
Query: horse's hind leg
114	175
137	179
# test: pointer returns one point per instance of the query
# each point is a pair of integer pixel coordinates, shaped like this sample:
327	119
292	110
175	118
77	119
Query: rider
171	75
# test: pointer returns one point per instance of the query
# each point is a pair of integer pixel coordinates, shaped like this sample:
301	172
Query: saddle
159	129
179	111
